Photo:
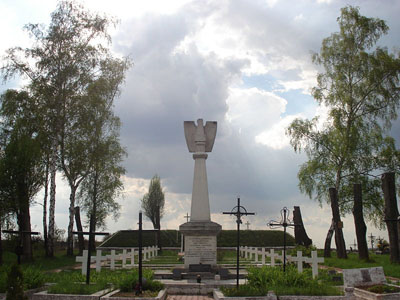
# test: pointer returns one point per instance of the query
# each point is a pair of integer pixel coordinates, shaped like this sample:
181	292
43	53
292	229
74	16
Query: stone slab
363	276
200	250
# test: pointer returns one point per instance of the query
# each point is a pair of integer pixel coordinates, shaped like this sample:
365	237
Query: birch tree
360	87
65	58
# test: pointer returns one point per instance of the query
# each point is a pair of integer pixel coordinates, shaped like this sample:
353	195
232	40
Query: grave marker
363	277
314	260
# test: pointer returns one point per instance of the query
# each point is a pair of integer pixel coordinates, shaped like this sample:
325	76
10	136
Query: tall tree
153	204
64	60
103	184
360	87
21	170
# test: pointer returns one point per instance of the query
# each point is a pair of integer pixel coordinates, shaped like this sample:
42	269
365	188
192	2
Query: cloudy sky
245	64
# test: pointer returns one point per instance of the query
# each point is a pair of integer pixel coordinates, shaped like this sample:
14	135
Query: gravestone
363	277
200	232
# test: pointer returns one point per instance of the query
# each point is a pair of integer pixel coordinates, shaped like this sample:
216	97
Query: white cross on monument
314	260
247	224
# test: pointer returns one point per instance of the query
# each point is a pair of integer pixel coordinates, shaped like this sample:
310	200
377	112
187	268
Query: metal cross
19	248
238	211
285	222
354	245
372	238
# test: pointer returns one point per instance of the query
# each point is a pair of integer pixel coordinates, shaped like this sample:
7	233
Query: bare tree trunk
1	244
70	239
339	238
24	222
361	228
391	215
159	230
52	206
300	234
81	240
328	239
46	188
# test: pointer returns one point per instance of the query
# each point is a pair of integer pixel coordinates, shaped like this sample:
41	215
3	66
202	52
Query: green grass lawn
60	260
353	262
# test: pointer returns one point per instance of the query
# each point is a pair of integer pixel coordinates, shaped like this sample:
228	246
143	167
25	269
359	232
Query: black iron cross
91	235
19	248
354	245
140	244
372	238
238	211
285	222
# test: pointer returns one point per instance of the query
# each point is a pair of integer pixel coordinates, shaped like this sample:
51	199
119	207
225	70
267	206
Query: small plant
15	284
33	278
244	290
383	246
76	288
383	289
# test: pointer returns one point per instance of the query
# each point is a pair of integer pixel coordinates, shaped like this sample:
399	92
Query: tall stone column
200	233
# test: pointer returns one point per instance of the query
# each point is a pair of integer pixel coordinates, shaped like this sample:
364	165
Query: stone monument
200	232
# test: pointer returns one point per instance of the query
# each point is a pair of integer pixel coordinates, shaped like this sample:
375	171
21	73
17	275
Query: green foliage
153	202
264	279
226	238
383	289
245	290
74	288
15	284
360	88
306	251
353	262
33	278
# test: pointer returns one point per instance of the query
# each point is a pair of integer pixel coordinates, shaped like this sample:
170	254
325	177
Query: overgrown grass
60	260
353	262
71	282
261	280
32	277
75	288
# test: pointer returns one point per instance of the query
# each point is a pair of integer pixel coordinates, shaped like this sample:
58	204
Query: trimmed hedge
226	238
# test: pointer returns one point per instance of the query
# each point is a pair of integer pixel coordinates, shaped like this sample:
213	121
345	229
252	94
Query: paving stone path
188	297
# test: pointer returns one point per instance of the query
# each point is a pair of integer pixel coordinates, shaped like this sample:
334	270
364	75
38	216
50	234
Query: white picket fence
110	260
253	253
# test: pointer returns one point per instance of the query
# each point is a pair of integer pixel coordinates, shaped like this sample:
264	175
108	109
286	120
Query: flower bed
379	291
265	279
118	295
46	296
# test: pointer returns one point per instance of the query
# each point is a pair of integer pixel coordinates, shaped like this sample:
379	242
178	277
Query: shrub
15	284
245	290
290	282
33	278
306	251
74	288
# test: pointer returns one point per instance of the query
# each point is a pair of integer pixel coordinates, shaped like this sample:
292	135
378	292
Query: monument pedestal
200	242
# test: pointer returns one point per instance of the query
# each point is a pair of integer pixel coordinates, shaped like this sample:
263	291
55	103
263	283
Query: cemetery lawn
353	262
264	279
